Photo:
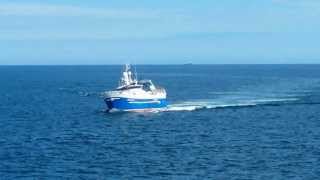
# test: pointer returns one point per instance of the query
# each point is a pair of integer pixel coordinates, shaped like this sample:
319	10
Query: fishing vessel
135	95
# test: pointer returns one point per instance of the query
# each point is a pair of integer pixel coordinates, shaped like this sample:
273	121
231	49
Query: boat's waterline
148	110
126	104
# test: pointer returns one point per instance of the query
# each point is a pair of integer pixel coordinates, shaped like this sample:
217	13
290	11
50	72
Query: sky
59	32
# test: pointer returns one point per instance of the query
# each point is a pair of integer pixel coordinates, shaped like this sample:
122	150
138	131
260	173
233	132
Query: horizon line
154	64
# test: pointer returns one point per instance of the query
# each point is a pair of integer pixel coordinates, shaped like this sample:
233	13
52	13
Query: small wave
274	100
229	93
82	93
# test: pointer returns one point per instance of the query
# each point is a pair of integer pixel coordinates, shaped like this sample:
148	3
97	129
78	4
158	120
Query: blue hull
125	104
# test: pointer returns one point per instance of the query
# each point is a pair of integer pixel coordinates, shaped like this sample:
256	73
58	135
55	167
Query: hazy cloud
299	3
68	10
52	21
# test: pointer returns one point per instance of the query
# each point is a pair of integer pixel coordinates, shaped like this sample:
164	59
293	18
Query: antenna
135	72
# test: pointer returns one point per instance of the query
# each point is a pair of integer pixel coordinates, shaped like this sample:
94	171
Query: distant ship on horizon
188	64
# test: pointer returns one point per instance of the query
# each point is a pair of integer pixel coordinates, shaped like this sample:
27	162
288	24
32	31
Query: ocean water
223	122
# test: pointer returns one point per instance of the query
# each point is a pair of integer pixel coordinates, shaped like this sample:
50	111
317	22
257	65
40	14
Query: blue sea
223	122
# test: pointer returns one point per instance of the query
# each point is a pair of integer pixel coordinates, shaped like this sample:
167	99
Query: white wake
213	104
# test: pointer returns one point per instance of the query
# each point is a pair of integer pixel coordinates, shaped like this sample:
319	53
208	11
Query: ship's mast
136	74
127	76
